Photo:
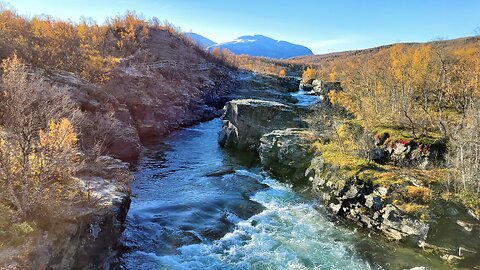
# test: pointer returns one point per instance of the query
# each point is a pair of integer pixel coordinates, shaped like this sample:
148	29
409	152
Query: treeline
263	65
427	91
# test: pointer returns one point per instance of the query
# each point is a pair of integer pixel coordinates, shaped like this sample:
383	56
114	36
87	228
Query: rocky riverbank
397	201
84	234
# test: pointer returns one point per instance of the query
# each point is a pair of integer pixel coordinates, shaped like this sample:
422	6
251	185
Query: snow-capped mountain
259	45
256	45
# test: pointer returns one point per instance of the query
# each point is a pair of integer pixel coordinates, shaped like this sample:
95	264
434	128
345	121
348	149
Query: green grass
398	133
13	233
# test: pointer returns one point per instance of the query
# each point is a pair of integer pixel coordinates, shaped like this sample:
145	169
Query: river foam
288	234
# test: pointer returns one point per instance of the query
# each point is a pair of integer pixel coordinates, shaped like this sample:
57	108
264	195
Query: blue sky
323	26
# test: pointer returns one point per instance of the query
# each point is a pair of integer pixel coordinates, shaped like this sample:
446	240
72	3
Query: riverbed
198	206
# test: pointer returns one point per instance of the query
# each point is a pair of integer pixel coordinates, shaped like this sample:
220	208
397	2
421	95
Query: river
198	206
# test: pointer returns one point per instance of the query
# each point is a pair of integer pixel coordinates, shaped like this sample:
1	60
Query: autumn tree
216	52
37	140
308	74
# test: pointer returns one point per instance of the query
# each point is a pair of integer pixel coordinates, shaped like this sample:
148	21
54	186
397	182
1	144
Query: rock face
286	154
246	120
289	83
88	244
86	237
404	153
363	203
320	88
141	102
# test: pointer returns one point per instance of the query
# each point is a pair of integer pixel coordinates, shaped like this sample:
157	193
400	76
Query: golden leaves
308	74
59	137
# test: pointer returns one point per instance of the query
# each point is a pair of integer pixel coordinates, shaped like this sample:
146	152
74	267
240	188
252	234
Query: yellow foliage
60	136
308	74
332	76
418	193
414	209
282	73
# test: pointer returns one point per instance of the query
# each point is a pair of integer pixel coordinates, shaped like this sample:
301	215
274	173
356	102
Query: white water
289	234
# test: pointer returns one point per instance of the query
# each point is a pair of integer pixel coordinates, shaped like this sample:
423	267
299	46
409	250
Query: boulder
291	84
363	203
323	87
286	154
306	85
378	155
246	120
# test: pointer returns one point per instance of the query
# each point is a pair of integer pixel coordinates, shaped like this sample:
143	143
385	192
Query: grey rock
246	120
452	211
373	202
222	171
228	136
378	155
286	153
352	192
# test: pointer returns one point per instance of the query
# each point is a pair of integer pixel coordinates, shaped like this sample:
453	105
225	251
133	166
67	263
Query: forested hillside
416	93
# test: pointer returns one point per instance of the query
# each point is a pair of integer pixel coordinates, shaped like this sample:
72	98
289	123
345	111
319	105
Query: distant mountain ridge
203	41
368	52
256	45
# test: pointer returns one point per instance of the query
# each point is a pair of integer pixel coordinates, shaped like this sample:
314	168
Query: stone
373	202
246	120
222	171
452	211
378	155
228	136
381	191
401	150
451	258
352	192
286	154
335	207
465	225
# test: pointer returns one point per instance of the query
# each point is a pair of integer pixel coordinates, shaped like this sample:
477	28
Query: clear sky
323	26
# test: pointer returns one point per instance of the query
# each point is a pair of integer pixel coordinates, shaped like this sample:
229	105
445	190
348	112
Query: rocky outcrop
286	154
141	101
409	153
84	236
320	88
306	85
246	120
291	84
363	203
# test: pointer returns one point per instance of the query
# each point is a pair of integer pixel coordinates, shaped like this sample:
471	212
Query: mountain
203	41
259	45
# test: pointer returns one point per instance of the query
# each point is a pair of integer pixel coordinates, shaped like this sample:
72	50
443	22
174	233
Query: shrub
421	194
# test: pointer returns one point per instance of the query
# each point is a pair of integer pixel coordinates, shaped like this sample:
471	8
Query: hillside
322	58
